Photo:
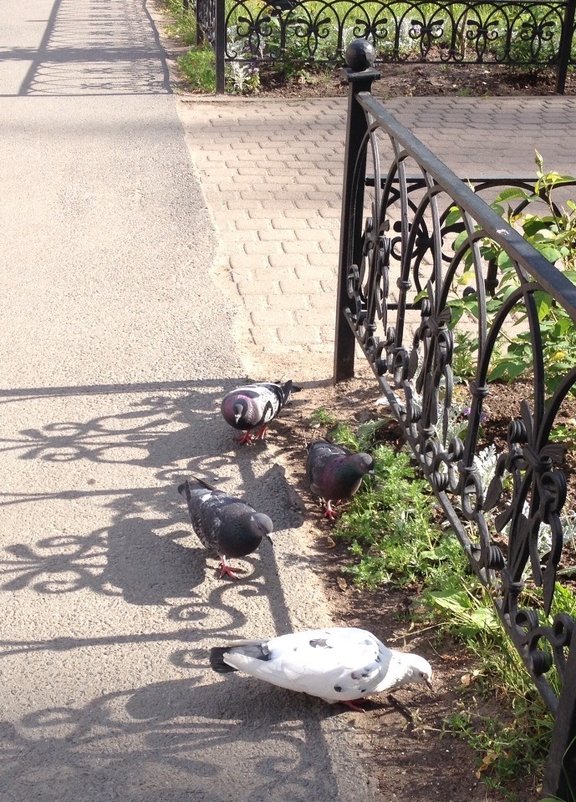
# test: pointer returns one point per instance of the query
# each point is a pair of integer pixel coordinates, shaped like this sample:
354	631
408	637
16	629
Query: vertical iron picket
560	774
565	50
360	76
220	45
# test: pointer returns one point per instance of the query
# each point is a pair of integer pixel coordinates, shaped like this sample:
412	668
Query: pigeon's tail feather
283	391
250	649
217	662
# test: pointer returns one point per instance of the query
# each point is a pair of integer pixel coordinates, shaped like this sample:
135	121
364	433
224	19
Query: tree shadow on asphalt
169	740
139	556
149	556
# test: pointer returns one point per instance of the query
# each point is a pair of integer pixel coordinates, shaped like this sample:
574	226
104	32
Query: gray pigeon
251	408
224	524
335	473
337	664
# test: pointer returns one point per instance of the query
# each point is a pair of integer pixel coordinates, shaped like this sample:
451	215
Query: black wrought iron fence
415	242
534	33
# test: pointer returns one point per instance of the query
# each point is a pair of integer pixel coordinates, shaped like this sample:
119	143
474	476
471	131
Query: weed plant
390	527
198	64
183	26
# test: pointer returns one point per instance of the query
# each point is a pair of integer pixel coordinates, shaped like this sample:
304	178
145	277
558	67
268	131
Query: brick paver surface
272	170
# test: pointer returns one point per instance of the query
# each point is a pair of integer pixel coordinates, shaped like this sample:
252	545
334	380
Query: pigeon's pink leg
226	570
329	512
261	433
245	438
353	706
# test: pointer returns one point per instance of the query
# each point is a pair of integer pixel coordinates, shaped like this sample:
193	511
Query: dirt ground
413	758
417	80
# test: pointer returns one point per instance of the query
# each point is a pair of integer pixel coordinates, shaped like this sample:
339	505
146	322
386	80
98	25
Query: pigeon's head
419	671
263	524
234	408
363	463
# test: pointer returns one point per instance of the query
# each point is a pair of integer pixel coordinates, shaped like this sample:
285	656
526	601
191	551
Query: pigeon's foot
227	570
352	705
329	512
245	438
250	436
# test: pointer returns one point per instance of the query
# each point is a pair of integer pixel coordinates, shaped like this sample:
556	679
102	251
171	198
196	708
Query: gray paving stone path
271	171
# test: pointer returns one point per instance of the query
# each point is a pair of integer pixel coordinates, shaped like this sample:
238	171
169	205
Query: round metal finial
360	55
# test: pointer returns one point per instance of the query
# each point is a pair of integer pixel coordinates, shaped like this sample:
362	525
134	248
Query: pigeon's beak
428	683
269	538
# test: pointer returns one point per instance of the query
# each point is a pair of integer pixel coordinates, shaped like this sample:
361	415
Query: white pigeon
337	664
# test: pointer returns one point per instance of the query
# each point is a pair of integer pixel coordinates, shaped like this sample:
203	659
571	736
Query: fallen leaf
342	584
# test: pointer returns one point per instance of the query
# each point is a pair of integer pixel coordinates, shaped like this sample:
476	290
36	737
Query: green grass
198	66
387	527
322	417
394	536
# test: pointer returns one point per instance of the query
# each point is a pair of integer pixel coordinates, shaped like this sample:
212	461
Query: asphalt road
115	351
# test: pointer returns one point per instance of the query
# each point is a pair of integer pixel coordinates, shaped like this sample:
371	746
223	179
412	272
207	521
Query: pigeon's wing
336	664
208	509
271	402
320	464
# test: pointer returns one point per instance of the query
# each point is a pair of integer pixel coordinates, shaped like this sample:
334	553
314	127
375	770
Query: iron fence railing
415	240
535	33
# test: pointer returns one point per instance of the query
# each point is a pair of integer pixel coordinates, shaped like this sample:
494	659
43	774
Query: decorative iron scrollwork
518	32
417	261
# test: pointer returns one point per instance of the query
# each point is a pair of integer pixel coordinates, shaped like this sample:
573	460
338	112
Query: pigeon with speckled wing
335	473
337	664
224	524
251	408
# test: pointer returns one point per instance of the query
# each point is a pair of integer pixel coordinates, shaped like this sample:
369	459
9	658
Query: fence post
360	75
565	49
200	35
220	47
560	772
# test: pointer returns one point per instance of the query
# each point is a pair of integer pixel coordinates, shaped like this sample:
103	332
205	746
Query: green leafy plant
322	417
389	527
553	233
